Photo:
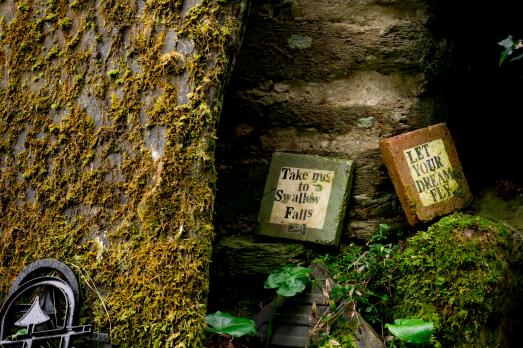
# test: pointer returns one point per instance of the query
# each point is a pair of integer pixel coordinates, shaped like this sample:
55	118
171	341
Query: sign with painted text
305	198
426	172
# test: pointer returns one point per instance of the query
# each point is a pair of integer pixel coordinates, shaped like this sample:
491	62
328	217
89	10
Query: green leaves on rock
289	280
224	323
509	46
411	330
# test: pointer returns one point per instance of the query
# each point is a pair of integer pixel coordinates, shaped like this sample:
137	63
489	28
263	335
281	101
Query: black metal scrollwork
42	308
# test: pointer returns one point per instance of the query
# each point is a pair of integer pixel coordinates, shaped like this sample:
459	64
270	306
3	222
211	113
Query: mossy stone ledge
458	275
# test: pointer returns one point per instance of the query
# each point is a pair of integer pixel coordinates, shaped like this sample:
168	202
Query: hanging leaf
509	46
507	43
289	280
411	330
224	323
19	333
504	55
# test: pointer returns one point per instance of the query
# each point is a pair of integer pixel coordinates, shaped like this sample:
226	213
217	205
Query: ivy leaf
411	330
507	43
19	333
289	280
224	323
504	55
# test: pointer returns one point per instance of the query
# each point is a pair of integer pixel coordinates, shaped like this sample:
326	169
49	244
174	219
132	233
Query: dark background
484	99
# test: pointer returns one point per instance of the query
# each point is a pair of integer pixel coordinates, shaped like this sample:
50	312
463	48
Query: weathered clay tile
425	170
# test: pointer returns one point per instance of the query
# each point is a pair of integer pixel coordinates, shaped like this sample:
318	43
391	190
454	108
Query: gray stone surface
329	78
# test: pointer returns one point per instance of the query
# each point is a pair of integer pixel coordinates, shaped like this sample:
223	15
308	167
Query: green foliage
19	333
340	334
355	268
289	280
451	274
224	323
411	330
510	46
113	73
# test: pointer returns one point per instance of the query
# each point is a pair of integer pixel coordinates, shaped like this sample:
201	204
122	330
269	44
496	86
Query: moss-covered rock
456	274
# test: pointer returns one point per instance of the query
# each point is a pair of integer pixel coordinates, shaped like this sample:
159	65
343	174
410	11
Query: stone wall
327	78
108	114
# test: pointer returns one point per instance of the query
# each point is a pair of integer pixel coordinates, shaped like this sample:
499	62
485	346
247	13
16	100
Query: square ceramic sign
426	172
305	198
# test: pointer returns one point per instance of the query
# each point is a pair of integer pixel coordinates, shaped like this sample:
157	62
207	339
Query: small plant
226	324
510	46
415	331
355	268
288	281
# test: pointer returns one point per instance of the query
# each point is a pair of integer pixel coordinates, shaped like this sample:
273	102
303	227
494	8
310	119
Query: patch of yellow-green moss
455	274
85	189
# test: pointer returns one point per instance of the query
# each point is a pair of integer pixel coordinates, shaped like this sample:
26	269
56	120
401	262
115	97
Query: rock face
108	117
326	78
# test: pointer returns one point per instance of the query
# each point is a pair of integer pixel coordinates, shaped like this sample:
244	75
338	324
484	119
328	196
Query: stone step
361	12
365	99
306	50
249	257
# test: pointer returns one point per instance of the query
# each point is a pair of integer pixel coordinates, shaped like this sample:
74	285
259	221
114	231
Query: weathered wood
291	335
245	256
296	317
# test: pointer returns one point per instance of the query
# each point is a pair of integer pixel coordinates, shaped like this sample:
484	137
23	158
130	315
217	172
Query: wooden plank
301	315
294	319
291	336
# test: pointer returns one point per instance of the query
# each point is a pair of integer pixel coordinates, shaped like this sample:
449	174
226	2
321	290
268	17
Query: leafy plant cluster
440	286
288	281
510	47
355	268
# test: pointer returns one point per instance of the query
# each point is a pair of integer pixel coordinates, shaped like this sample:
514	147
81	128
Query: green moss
113	73
139	228
65	23
453	274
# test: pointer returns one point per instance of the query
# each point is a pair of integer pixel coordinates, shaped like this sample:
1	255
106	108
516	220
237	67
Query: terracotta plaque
305	198
426	172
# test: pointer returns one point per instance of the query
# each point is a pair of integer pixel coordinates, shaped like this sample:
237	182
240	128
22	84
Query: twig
90	283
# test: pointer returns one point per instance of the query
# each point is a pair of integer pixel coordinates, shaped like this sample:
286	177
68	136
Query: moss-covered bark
108	112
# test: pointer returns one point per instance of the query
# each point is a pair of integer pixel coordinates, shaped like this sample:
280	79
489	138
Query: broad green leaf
411	330
289	280
18	333
224	323
507	43
504	55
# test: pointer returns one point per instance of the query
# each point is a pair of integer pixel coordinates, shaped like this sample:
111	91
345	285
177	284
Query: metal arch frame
53	265
69	288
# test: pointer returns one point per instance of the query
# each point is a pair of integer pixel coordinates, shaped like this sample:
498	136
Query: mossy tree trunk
108	113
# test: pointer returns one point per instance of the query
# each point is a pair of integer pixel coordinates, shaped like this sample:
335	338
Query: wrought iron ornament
43	308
